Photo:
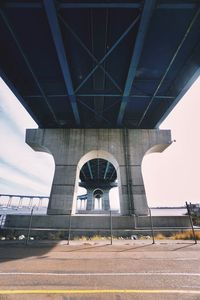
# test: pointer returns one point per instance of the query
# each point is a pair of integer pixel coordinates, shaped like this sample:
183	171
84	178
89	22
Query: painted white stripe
99	274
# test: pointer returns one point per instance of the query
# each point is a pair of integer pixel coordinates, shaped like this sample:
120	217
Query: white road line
98	274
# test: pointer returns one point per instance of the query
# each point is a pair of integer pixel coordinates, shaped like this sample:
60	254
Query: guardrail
7	200
29	229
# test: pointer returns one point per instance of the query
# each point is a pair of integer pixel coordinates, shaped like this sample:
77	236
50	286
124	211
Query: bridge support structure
69	146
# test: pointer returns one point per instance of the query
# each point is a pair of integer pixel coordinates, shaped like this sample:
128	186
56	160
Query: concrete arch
98	154
93	155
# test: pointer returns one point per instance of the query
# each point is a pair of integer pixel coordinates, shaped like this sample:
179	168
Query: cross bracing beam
26	4
183	5
88	51
118	95
143	27
110	106
99	5
123	4
99	95
112	174
83	174
10	29
22	4
101	82
57	38
108	53
90	169
92	110
106	170
170	65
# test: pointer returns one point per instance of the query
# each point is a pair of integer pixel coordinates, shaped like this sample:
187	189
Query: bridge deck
99	64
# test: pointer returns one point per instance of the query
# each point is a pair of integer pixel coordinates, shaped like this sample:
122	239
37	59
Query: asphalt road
96	270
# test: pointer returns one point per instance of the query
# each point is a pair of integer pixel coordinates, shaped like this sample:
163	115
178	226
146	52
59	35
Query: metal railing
68	229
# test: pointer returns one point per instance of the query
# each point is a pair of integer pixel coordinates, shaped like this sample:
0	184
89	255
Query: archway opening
114	199
97	176
152	171
98	199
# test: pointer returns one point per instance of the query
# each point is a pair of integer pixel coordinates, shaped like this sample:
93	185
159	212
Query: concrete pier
124	148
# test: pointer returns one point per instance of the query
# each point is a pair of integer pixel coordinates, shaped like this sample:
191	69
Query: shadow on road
185	246
16	250
132	248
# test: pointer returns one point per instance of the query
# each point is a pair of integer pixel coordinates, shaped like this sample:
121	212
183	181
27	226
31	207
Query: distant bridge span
21	199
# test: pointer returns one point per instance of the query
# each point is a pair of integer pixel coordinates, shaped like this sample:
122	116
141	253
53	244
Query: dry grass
98	237
91	238
81	238
160	236
185	235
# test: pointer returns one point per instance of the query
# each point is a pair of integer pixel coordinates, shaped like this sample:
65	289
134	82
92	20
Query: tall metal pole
69	230
111	233
190	217
152	231
135	221
29	227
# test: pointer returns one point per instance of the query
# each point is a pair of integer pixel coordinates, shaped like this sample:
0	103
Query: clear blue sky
171	178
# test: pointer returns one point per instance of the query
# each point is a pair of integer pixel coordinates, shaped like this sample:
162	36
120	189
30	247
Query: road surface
97	270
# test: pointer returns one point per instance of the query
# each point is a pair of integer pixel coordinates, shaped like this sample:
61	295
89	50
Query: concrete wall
96	222
68	146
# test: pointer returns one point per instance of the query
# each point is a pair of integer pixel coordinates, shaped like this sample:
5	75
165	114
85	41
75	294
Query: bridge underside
95	64
112	71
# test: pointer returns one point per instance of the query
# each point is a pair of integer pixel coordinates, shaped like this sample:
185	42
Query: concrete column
40	203
90	204
9	201
99	204
30	202
61	196
124	201
78	204
20	202
105	200
85	204
105	204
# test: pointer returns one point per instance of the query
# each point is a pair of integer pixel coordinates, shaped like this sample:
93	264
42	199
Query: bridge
99	64
98	77
19	201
